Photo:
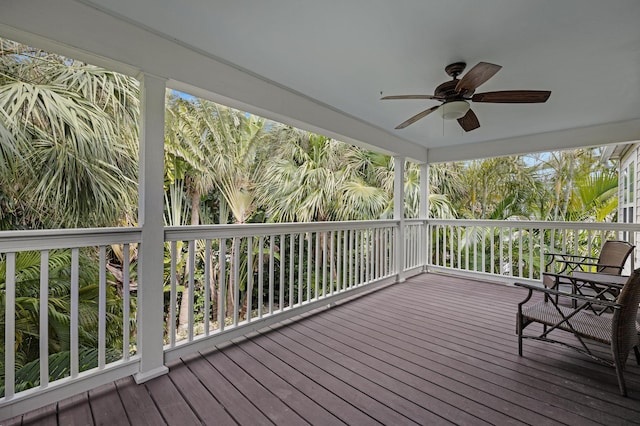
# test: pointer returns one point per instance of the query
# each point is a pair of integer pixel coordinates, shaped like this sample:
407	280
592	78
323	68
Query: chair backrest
623	327
614	253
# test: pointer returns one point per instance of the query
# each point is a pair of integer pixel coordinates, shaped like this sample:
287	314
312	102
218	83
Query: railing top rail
47	239
414	221
606	226
177	233
83	237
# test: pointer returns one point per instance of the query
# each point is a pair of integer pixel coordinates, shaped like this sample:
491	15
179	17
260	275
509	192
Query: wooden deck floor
433	350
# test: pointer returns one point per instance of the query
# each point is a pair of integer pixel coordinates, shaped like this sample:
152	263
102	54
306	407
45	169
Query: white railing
514	249
57	302
414	247
223	281
227	277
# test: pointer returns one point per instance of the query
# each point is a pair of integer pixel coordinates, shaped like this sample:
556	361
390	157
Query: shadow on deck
433	350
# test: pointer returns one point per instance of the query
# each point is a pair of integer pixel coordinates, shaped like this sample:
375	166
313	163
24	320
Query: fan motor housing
447	90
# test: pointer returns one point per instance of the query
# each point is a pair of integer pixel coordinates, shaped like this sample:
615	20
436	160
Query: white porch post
150	212
424	214
398	214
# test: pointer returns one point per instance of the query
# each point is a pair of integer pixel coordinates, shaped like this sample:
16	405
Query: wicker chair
587	320
613	256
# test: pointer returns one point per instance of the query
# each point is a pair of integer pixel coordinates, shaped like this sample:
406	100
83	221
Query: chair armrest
596	265
570	261
566	279
572	256
601	266
586	299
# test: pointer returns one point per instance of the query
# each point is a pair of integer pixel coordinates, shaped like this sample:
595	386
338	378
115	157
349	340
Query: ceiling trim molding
599	135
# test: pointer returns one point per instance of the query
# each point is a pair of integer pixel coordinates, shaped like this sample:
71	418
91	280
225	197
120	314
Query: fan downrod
455	69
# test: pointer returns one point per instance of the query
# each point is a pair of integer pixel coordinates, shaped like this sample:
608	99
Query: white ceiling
343	54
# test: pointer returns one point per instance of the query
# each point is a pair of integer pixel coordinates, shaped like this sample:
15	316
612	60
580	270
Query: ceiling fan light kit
456	94
454	110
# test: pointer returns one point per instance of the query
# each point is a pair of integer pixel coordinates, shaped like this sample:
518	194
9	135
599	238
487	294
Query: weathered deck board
240	408
298	401
462	380
490	394
500	335
340	408
406	384
259	394
404	410
106	407
45	416
75	411
206	407
172	405
433	350
348	390
140	408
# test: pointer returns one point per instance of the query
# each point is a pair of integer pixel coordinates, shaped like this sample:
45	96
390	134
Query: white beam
398	214
599	135
424	191
424	213
150	218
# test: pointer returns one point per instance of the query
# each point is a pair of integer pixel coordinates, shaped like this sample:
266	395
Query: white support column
424	213
398	214
151	258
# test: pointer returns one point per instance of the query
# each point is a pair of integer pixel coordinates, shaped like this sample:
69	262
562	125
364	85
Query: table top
602	277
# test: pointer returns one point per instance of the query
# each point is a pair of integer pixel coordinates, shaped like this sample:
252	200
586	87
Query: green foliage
27	316
315	178
28	375
69	141
570	185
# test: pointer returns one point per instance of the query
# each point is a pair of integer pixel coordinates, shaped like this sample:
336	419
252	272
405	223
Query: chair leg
519	342
621	383
519	330
519	333
619	360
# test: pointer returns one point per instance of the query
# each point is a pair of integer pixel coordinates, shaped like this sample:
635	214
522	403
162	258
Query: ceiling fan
456	94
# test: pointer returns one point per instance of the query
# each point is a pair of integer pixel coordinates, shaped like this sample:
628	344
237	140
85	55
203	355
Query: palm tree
315	178
239	148
496	188
577	181
214	148
598	195
218	148
377	170
69	140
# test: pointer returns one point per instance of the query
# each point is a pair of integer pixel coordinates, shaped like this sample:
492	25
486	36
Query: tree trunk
485	199
320	257
558	190
183	317
230	300
567	192
213	290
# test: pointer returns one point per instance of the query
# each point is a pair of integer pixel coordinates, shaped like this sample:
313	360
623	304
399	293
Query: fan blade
386	98
469	122
476	76
417	117
513	96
